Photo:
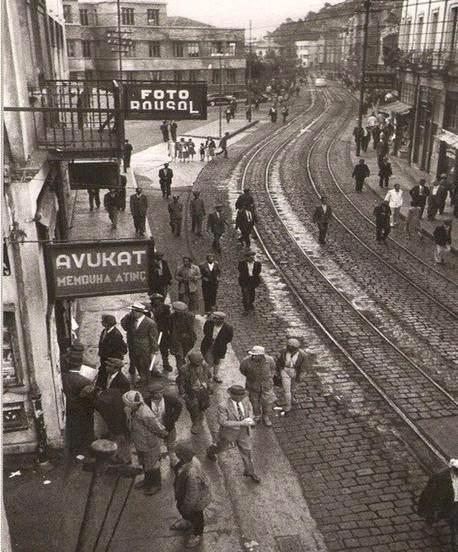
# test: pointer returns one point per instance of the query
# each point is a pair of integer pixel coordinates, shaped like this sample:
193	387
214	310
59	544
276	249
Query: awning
449	138
398	107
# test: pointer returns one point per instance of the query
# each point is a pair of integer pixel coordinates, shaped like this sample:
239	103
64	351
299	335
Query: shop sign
89	175
379	80
91	269
165	100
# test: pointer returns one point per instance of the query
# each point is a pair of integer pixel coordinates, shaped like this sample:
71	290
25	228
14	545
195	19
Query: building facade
428	43
34	207
152	46
310	53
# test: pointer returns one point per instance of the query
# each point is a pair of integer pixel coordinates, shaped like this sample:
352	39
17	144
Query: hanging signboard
379	80
156	100
89	175
91	269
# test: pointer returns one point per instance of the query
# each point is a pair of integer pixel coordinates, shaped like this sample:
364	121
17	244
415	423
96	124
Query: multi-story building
428	62
34	208
265	46
310	53
152	46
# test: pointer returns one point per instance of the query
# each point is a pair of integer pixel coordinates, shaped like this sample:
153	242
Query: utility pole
119	42
249	65
220	130
367	5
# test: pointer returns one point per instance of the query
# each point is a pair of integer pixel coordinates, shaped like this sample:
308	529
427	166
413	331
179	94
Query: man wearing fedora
141	341
291	363
167	409
161	313
210	272
235	418
259	370
138	208
216	226
217	336
249	279
165	180
160	276
175	215
111	345
439	500
79	408
182	335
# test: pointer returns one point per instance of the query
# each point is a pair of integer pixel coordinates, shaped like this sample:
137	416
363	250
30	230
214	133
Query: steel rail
406	419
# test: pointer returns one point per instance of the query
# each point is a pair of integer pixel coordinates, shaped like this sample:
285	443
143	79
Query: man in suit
197	209
111	345
182	334
291	363
175	215
210	272
165	180
235	418
161	313
109	404
141	341
138	208
216	225
439	500
382	213
111	203
159	274
79	422
217	336
259	370
188	275
126	154
167	409
223	144
419	195
360	173
322	217
246	200
249	280
244	221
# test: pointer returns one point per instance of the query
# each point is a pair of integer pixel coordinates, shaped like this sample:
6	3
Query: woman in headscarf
145	433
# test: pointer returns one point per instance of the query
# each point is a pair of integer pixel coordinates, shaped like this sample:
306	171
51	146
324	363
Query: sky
265	15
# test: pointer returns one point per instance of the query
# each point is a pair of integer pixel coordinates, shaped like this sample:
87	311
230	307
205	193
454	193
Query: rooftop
178	21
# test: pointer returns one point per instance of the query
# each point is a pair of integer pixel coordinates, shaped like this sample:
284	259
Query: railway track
408	390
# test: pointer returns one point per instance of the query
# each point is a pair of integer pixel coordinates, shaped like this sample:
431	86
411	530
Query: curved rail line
293	287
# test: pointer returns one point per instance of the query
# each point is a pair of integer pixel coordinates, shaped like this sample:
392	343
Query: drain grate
289	543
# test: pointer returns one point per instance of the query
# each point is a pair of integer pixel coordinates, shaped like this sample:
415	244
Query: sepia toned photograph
230	275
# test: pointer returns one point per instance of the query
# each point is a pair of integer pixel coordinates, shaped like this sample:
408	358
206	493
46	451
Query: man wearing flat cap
79	408
216	226
159	274
141	340
195	384
217	336
235	418
188	275
210	272
176	215
197	210
259	370
439	500
111	345
249	280
291	363
182	334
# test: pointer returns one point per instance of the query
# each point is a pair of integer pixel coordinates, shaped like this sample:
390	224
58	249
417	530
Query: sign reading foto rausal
165	100
89	269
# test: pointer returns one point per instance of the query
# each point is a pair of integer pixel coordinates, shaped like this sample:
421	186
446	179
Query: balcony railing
79	118
429	60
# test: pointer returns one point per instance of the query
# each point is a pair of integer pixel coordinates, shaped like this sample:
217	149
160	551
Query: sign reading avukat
89	269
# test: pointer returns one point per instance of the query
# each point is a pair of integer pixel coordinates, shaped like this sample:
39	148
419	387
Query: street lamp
220	56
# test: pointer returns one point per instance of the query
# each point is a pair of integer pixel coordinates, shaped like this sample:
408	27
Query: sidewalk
407	176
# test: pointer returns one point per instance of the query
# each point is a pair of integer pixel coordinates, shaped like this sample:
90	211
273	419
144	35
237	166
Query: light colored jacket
394	198
192	488
229	423
190	275
145	430
259	375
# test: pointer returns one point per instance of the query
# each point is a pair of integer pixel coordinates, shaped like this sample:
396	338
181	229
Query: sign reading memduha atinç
90	269
165	100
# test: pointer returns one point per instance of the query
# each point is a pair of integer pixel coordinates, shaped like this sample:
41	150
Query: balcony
78	119
429	61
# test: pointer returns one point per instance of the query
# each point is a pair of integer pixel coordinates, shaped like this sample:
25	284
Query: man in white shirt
395	198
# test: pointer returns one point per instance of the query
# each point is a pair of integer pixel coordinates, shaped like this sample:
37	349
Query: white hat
257	350
293	342
139	307
453	463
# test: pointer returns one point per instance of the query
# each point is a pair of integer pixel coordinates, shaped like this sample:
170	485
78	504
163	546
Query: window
451	113
193	75
6	259
154	48
84	17
231	76
231	48
453	32
193	49
156	75
131	49
433	31
152	17
178	76
216	75
87	48
217	47
178	50
71	48
406	37
128	16
10	350
419	32
68	13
